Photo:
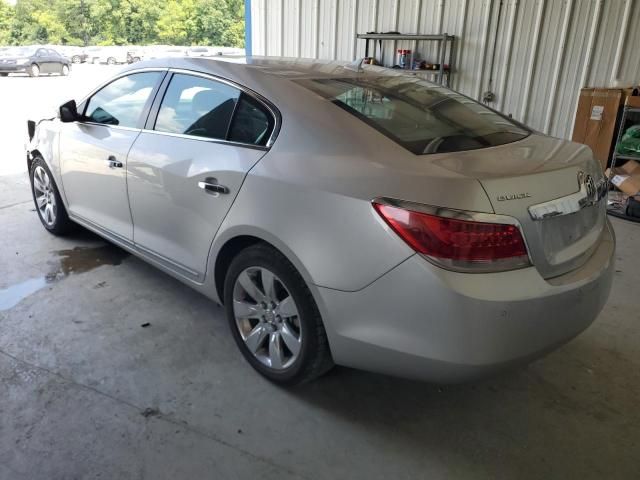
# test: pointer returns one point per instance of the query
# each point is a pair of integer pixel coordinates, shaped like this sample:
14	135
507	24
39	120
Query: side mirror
69	112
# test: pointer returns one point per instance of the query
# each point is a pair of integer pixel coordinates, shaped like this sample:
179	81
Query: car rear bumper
420	321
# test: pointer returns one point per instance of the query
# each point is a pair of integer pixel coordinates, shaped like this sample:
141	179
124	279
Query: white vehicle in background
135	54
113	55
164	51
93	54
199	51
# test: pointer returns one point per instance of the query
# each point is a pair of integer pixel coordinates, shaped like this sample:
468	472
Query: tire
76	59
65	70
3	74
136	59
111	61
42	182
34	70
295	314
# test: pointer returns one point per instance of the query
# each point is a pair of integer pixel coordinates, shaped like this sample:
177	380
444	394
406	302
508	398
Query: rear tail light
455	244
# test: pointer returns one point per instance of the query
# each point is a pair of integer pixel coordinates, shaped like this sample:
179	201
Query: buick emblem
586	181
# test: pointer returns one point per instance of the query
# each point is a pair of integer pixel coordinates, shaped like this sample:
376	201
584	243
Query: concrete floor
87	392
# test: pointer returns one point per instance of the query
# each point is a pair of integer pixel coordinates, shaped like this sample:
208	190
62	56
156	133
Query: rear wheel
47	199
274	318
34	70
65	70
111	61
76	59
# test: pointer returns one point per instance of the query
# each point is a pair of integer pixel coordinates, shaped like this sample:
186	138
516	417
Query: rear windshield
419	115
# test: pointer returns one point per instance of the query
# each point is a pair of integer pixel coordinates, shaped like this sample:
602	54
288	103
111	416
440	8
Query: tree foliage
123	22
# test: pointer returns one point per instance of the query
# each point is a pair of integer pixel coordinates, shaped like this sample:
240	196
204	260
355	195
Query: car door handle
113	162
211	185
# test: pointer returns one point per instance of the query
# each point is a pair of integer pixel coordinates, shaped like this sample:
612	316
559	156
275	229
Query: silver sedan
343	214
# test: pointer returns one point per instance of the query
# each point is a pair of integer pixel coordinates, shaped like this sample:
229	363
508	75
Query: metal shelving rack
626	110
445	49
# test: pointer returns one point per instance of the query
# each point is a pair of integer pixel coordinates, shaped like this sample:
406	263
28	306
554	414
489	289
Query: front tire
47	200
34	70
274	318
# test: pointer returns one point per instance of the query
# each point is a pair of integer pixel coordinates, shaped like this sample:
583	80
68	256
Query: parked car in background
356	216
199	51
135	54
164	51
113	55
75	54
33	61
93	54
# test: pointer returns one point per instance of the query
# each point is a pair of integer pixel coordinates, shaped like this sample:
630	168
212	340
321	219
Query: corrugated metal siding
545	50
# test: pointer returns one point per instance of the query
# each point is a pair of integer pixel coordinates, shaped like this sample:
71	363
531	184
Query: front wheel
47	199
274	318
34	70
111	61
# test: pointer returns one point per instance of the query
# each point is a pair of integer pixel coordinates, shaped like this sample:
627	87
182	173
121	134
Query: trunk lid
553	187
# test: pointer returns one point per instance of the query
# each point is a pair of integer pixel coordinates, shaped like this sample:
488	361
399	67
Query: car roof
281	67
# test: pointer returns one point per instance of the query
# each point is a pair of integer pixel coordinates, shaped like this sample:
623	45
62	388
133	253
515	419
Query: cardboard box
626	178
633	101
596	119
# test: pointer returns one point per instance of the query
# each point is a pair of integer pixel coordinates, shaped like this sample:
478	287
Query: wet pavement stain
71	261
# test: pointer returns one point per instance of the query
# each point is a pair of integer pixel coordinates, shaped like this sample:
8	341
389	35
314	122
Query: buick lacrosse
342	214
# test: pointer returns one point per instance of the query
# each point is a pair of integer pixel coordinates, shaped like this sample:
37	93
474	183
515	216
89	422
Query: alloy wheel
45	196
267	318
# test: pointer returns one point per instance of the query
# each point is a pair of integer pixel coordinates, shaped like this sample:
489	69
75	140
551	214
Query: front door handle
113	162
211	185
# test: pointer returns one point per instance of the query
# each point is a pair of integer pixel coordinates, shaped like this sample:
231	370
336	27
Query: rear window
422	117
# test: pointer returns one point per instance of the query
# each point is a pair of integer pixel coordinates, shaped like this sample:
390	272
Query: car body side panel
340	240
172	215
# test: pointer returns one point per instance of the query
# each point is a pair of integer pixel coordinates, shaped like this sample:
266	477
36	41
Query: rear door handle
211	185
113	162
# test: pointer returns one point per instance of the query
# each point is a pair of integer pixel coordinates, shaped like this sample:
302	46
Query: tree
123	22
6	22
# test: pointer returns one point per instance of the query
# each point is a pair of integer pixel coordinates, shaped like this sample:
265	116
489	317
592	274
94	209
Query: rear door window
421	116
252	123
197	106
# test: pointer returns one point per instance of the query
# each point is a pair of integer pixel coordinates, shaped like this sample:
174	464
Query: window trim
82	107
155	110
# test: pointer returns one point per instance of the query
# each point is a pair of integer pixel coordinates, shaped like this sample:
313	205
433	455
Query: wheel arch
232	241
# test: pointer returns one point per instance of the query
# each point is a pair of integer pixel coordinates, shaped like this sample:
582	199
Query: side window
197	106
123	100
251	122
53	53
41	52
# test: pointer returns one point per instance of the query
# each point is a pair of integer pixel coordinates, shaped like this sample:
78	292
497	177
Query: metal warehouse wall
544	52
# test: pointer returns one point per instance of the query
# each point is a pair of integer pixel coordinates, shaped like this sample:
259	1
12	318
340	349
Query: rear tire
76	59
47	200
289	344
111	61
34	70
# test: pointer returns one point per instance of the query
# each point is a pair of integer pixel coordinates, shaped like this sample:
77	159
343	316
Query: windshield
18	52
420	116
